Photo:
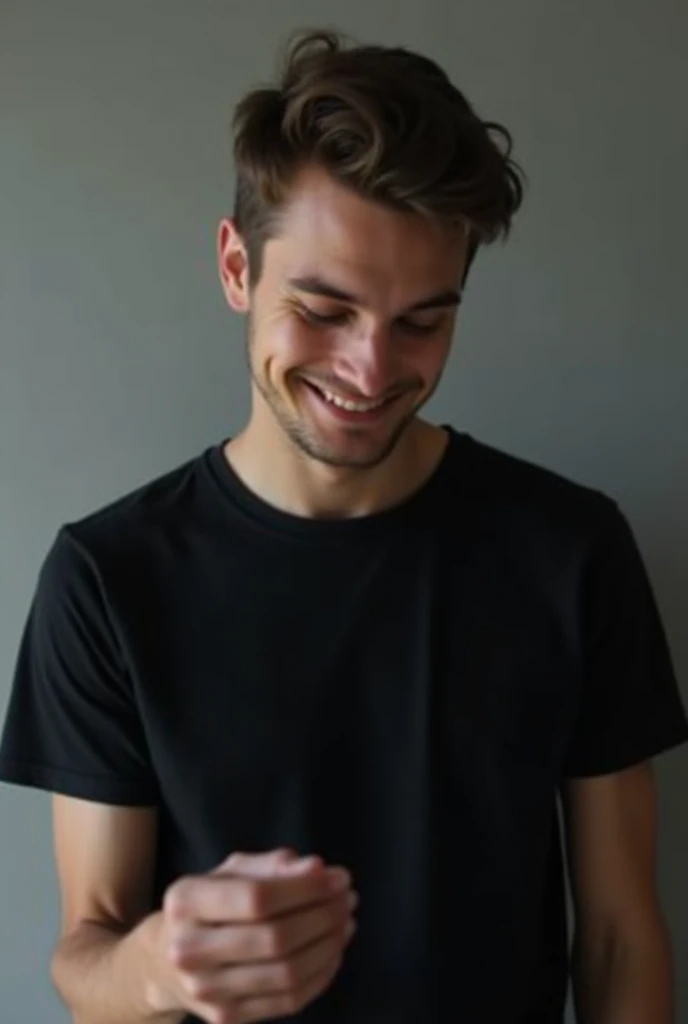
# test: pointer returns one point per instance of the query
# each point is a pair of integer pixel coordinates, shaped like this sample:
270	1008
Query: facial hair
304	439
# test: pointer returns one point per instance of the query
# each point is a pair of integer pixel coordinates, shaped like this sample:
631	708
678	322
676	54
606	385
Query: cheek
429	358
283	345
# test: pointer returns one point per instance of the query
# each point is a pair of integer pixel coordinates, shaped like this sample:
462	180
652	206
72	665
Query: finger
284	1004
279	863
214	1013
233	983
221	898
288	974
300	865
260	865
294	932
199	949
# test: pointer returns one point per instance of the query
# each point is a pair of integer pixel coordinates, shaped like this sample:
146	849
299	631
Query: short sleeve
630	708
72	723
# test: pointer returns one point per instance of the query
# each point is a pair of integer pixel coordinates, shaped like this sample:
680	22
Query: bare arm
622	970
259	937
104	960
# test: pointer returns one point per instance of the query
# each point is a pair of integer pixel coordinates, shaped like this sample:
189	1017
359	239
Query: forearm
104	977
624	983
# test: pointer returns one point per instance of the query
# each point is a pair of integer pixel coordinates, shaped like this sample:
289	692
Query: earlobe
232	263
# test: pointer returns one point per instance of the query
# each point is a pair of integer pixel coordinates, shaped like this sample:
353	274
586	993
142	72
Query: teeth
350	405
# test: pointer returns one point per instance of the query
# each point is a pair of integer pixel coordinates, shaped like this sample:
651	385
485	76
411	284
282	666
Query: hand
259	937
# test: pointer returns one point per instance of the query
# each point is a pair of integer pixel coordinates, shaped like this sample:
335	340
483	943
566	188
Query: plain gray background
119	359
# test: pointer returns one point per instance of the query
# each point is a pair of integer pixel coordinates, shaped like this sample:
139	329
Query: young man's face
351	321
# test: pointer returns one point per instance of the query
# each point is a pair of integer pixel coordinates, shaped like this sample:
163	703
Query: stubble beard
309	445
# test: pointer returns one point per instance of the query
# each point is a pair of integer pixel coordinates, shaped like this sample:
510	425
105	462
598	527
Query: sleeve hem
630	756
122	792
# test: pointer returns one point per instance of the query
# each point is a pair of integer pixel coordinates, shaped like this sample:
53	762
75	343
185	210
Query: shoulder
148	522
510	492
529	521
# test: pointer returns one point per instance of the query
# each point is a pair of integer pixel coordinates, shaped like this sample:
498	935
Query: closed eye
337	319
322	320
413	327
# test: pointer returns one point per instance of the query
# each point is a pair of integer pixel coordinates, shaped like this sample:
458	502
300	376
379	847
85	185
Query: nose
364	362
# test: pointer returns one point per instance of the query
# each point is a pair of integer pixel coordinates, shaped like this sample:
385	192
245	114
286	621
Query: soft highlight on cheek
279	349
306	378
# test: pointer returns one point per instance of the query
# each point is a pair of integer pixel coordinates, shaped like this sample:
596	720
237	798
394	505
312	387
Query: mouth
351	410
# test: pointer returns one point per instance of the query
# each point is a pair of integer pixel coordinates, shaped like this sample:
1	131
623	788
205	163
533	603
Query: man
307	703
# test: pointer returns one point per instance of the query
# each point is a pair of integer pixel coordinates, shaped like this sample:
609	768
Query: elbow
74	957
605	937
624	973
58	972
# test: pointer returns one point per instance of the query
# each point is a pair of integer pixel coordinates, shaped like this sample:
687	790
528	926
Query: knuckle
177	898
181	944
196	986
182	953
253	898
286	974
271	943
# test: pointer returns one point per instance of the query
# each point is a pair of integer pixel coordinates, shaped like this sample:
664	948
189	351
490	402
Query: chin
349	453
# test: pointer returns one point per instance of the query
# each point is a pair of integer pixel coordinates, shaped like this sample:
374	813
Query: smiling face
350	323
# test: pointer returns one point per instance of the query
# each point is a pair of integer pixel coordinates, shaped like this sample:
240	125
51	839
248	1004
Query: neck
279	473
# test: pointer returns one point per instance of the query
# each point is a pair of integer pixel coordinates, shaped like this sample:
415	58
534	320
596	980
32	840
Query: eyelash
319	320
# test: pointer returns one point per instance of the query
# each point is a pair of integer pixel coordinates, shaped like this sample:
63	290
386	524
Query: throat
279	474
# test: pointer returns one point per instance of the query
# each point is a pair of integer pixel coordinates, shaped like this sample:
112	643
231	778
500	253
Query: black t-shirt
403	693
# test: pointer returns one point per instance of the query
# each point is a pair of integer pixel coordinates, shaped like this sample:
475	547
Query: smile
356	408
349	404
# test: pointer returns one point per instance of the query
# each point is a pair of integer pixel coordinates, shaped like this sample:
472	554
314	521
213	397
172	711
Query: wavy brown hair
384	121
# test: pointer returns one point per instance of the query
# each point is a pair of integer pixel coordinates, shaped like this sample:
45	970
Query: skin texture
260	937
622	964
294	450
263	936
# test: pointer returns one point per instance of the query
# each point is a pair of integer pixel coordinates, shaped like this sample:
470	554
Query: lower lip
350	416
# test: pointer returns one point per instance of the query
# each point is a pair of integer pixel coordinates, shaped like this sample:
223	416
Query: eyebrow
314	285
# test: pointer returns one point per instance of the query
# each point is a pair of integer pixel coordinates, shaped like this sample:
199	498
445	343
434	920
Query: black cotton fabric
404	694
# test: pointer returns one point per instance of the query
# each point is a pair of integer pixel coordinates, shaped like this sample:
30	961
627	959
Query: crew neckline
264	515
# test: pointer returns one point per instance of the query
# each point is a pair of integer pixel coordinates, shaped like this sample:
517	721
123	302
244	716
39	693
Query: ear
232	261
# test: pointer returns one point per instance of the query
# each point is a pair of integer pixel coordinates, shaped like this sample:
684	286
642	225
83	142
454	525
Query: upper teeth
350	405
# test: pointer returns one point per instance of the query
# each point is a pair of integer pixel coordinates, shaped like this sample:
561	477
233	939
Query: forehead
362	246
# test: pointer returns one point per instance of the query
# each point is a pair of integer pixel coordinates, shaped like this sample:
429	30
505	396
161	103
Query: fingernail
339	878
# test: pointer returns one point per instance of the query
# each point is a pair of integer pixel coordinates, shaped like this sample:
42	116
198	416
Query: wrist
160	1001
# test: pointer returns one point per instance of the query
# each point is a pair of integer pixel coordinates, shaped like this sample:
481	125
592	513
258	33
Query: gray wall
118	358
